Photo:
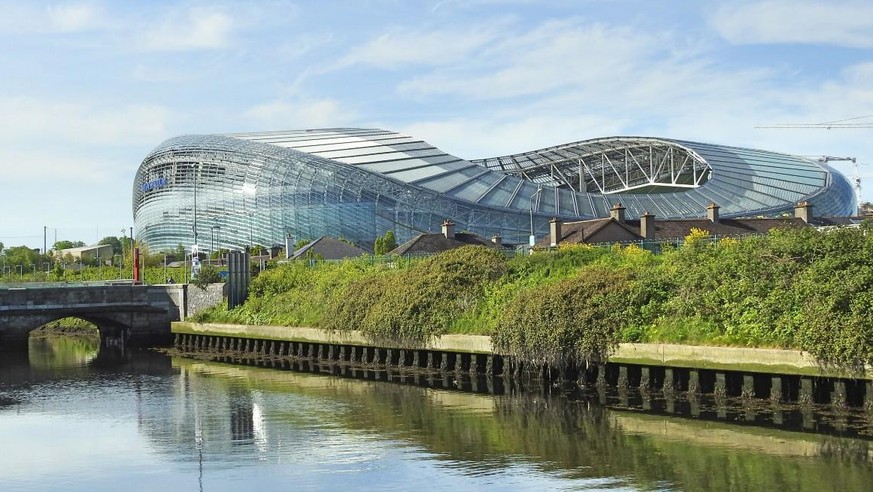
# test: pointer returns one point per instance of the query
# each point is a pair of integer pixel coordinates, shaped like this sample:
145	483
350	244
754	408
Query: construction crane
828	125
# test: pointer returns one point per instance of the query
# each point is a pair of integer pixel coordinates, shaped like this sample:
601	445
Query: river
72	418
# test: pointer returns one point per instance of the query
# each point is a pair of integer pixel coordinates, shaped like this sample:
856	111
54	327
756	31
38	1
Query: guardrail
55	285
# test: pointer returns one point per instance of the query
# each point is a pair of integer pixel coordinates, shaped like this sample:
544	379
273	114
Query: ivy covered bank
798	288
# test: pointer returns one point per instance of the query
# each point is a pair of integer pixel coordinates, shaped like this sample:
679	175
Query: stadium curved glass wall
229	191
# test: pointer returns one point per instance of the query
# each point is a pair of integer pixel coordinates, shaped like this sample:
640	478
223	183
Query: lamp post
194	167
214	228
121	260
532	197
249	190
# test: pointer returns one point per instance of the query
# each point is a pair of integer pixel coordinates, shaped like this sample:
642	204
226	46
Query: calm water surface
73	419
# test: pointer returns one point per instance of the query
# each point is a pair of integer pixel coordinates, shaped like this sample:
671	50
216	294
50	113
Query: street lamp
533	237
194	167
248	190
214	228
121	260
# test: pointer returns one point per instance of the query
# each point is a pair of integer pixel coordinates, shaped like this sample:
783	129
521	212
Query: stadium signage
153	184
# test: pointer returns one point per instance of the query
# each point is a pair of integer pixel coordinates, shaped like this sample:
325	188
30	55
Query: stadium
230	191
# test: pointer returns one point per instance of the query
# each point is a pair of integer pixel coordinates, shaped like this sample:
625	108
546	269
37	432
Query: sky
88	88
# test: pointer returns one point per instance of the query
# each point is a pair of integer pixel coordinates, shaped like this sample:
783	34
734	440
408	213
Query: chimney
555	231
647	226
712	213
617	212
496	239
449	229
803	211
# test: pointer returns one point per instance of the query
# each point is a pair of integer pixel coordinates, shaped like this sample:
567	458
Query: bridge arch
139	314
109	326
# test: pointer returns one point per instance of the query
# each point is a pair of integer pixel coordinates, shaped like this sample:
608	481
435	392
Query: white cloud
399	47
61	17
297	47
556	54
75	17
52	167
845	23
570	80
74	124
300	113
196	28
477	138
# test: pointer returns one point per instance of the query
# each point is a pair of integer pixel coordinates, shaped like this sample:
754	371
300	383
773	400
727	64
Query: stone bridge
129	314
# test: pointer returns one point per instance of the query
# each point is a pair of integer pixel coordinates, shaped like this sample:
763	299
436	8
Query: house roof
582	231
329	248
836	221
432	242
670	229
93	249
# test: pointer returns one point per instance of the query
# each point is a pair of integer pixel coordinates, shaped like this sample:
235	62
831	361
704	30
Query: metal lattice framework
608	166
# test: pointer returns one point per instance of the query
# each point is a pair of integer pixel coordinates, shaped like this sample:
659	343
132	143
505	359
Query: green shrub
208	275
576	321
411	306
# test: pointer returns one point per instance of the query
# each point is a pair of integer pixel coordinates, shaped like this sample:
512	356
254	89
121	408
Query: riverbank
794	289
744	360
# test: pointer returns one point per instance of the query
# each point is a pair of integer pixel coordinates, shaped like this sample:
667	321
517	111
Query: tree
179	252
112	241
208	275
301	243
385	244
1	247
22	255
67	244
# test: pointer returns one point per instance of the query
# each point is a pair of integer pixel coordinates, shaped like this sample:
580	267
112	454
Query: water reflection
574	439
62	352
145	419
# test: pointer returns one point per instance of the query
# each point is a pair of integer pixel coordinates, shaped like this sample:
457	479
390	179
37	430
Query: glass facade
229	191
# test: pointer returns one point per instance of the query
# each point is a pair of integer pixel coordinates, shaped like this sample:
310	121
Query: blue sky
89	87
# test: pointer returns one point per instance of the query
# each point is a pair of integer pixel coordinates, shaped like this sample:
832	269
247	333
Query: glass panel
476	187
411	171
501	193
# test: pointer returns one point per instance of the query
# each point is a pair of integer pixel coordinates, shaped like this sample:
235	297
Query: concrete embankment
777	375
775	361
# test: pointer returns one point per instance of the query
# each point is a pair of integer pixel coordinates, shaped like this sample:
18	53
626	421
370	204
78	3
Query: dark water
73	419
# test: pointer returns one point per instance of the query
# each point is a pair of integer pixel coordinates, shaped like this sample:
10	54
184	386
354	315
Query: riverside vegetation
797	288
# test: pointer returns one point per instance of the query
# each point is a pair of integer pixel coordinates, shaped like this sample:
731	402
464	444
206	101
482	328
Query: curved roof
670	178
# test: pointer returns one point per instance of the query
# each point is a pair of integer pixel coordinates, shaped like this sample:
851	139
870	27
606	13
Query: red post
136	265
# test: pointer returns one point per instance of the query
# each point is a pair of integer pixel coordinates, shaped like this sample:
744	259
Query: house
88	254
328	248
617	228
431	243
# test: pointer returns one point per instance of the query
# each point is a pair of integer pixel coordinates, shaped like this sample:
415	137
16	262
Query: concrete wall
199	299
766	361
